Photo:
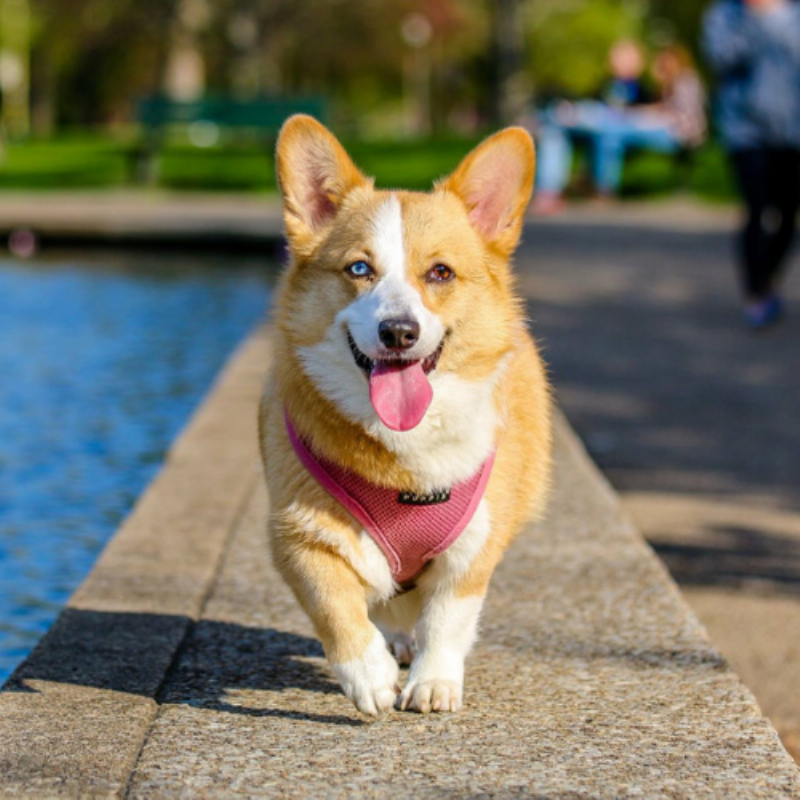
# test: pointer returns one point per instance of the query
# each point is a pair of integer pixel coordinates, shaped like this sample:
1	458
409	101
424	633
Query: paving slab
196	674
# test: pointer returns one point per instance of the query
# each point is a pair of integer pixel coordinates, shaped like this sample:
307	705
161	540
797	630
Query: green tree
681	18
569	40
92	59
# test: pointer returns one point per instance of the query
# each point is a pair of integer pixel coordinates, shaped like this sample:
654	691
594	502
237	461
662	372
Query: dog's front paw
370	681
430	695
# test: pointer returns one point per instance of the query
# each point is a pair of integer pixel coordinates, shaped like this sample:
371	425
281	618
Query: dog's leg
335	599
396	619
446	631
452	593
401	646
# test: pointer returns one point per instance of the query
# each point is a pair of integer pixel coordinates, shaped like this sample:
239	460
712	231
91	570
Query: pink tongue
400	394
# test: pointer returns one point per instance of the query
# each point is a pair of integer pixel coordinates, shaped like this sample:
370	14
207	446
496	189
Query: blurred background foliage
428	73
91	60
568	42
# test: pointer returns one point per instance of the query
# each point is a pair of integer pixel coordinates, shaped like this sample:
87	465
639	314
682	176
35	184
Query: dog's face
393	296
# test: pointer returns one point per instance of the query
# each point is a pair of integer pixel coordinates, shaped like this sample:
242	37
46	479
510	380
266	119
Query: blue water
101	365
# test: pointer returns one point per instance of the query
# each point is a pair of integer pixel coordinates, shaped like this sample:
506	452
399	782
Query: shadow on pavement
670	392
734	556
237	669
131	653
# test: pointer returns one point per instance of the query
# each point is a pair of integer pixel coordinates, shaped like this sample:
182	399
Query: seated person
626	62
676	121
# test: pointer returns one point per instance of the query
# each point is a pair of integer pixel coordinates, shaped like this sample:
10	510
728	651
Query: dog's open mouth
428	364
399	389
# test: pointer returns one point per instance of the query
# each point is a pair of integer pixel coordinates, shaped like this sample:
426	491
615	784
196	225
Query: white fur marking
399	613
387	239
460	425
446	631
374	569
392	295
401	646
459	557
368	560
370	681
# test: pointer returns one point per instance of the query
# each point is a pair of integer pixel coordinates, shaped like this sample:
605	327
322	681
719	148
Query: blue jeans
610	134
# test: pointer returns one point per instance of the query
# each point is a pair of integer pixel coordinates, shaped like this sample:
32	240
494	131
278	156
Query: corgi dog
406	425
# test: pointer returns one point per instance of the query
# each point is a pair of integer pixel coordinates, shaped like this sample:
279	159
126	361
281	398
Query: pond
103	358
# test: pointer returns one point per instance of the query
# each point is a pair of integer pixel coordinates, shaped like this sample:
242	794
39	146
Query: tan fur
328	205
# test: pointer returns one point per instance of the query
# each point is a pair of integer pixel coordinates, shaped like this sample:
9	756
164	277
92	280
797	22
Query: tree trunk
510	85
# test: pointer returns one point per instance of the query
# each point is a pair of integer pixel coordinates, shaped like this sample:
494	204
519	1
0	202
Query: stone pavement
184	668
693	418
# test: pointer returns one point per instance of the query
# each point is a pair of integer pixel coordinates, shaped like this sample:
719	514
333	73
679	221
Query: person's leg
553	168
751	172
661	140
612	143
608	159
784	200
554	160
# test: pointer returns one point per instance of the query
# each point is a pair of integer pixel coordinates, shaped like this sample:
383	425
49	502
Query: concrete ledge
240	221
139	217
183	667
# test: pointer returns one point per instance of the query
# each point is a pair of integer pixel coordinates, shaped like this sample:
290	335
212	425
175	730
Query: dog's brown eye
440	274
359	269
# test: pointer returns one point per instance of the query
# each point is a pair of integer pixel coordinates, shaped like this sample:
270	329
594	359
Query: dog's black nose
398	334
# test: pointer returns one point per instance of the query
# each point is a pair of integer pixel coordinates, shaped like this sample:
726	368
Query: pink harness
409	528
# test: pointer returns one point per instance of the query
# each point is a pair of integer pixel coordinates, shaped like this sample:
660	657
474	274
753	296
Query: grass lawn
96	161
69	162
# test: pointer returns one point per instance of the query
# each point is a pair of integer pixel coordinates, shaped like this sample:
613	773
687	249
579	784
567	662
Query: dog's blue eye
359	269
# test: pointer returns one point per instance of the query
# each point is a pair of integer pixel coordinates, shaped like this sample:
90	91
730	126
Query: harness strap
410	529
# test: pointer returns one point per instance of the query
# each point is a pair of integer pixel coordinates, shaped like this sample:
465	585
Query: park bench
207	117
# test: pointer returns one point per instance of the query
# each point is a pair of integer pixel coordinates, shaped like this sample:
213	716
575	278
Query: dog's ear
314	174
495	182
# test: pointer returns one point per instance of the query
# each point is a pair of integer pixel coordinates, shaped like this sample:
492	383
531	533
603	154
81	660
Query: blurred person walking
676	121
754	46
